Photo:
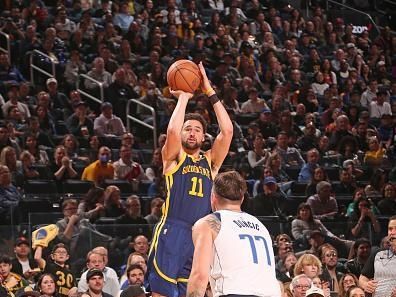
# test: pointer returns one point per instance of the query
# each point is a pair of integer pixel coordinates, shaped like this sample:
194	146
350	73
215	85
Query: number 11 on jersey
252	242
196	187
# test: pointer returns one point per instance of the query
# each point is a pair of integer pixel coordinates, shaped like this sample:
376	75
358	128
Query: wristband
213	99
208	91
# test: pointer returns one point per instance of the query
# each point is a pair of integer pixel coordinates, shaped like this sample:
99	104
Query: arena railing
359	19
7	48
135	119
86	94
36	67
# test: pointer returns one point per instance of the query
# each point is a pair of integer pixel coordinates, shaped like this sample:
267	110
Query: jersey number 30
252	241
196	187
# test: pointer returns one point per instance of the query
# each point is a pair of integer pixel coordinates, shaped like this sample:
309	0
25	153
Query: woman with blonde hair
309	265
8	158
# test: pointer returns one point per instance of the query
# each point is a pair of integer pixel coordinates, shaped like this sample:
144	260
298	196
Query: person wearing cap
271	202
59	100
254	103
22	263
314	292
11	281
95	281
323	204
380	107
107	124
378	275
266	125
79	124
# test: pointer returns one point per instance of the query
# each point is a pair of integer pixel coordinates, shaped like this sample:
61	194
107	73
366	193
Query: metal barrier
348	19
6	49
83	92
153	127
33	67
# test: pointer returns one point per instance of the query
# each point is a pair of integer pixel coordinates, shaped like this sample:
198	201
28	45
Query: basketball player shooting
188	175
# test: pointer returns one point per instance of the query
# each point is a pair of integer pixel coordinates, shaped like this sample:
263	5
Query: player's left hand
181	94
205	83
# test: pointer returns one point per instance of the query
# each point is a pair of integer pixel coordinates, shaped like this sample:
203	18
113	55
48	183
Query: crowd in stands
313	106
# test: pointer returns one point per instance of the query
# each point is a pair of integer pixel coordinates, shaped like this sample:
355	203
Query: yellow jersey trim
165	277
158	229
178	165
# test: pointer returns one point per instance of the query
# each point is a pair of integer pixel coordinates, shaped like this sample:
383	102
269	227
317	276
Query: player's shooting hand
371	285
179	94
205	83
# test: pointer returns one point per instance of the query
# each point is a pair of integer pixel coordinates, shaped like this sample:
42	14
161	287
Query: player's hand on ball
181	94
205	83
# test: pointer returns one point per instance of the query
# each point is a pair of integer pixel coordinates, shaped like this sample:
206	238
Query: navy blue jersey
189	187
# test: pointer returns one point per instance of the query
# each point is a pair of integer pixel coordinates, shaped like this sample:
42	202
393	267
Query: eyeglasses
331	254
306	287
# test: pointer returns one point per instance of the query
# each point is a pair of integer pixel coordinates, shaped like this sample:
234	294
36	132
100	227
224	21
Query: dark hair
196	117
360	241
60	246
229	185
375	180
134	266
305	205
40	280
91	198
5	259
356	206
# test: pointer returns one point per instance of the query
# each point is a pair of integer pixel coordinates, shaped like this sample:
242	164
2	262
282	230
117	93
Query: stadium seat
40	186
298	189
75	186
124	186
43	170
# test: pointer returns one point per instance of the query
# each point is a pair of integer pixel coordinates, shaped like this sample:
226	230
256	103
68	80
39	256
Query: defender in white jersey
233	250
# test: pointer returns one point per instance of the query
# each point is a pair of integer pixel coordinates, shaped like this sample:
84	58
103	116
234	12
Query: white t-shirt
243	261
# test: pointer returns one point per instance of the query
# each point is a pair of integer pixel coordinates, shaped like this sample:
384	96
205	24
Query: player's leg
187	258
164	262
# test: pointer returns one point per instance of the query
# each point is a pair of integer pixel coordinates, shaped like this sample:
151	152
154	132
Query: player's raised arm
222	142
204	233
172	145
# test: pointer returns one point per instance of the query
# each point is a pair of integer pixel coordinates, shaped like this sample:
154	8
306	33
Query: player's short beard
189	146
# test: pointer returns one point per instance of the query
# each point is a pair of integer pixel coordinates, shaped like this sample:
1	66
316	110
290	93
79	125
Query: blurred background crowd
311	96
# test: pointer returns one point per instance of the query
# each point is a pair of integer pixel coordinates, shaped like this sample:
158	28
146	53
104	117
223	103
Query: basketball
184	75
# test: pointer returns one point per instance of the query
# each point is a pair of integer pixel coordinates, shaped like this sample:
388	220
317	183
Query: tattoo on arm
214	223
